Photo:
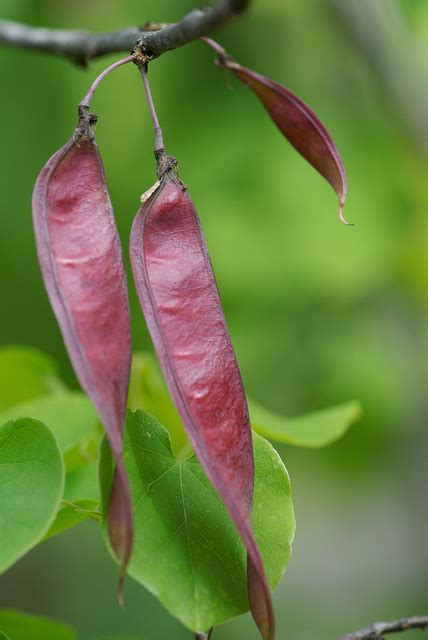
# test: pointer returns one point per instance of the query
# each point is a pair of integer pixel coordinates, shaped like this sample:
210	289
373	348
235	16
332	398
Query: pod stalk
223	57
159	149
87	99
215	45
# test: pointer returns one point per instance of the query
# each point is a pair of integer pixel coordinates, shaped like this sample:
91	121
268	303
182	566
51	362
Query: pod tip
119	589
342	217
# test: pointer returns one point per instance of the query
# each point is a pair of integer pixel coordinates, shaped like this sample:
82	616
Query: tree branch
82	47
201	636
377	630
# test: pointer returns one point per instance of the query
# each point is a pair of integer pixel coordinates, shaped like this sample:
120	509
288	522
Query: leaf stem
90	513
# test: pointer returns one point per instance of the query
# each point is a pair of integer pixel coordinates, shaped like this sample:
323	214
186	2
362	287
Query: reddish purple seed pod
299	124
180	301
81	263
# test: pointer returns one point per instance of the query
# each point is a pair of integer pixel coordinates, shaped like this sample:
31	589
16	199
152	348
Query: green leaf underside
316	429
21	626
70	416
186	549
31	486
25	373
72	514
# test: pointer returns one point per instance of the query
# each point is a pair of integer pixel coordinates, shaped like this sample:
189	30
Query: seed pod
180	301
81	263
299	124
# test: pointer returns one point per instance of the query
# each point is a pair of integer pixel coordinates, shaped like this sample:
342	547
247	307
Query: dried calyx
85	124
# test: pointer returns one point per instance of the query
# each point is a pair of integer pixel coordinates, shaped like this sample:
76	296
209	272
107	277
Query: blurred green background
319	313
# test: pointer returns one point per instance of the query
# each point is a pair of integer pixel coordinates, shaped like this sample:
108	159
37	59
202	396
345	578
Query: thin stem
159	143
87	99
90	513
214	45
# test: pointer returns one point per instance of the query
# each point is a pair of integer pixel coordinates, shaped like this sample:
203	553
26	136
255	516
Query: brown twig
81	47
378	630
204	636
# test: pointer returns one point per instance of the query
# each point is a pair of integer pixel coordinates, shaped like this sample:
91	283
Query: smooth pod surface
81	262
299	124
182	308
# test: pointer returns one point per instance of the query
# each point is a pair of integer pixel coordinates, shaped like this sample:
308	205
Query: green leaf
70	416
72	514
82	484
31	486
186	549
316	429
3	637
25	374
147	391
21	626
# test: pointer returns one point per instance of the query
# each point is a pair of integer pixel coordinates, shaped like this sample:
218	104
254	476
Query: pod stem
87	99
222	55
159	149
214	45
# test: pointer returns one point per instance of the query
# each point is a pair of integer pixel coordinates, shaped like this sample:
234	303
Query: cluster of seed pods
82	267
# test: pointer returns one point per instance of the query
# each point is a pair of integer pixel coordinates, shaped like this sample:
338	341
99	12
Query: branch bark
378	630
81	47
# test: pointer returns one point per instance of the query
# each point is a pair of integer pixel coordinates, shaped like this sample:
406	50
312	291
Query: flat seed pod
81	263
299	124
182	308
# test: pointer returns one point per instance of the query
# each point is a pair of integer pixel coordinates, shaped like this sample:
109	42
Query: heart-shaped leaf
316	429
31	486
25	374
21	626
187	551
